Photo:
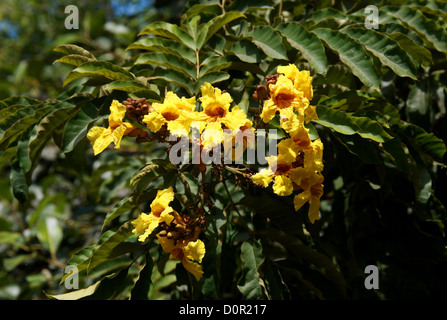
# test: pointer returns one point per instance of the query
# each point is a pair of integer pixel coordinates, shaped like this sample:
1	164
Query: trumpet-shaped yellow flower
216	108
312	195
174	112
283	95
302	80
279	166
160	212
101	138
190	254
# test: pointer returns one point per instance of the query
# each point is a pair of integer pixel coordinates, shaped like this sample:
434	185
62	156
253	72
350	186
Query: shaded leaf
353	54
269	41
250	284
307	43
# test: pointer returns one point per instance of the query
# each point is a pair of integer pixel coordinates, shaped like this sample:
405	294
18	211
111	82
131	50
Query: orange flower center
169	115
284	100
216	111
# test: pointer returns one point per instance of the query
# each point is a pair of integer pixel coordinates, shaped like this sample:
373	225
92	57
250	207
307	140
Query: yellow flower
279	166
216	108
311	195
282	186
190	254
160	212
174	112
100	138
302	80
283	95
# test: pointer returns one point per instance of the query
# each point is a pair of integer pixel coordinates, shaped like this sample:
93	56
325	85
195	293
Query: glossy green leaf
170	31
214	64
74	59
250	284
307	43
166	46
16	119
98	69
246	51
212	77
214	25
353	54
433	32
249	5
170	62
124	205
77	127
387	50
344	123
110	249
74	49
175	77
417	52
425	142
269	41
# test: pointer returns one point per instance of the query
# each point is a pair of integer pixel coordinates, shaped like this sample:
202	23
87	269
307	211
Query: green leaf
165	46
346	124
417	52
353	54
277	210
11	263
16	119
169	61
214	25
53	122
248	5
425	142
297	248
214	64
99	69
76	294
269	41
74	59
140	291
418	104
394	148
134	87
384	48
110	248
124	205
74	49
18	182
434	33
203	8
250	283
307	43
212	77
77	126
49	232
8	236
170	31
175	77
246	51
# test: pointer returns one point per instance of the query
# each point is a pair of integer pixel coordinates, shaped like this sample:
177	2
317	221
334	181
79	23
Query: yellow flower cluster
298	164
101	138
182	245
176	115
